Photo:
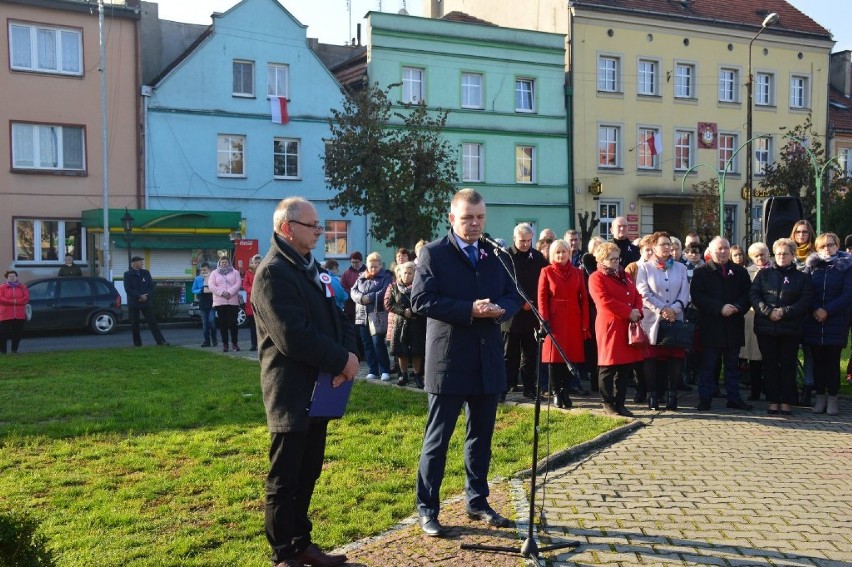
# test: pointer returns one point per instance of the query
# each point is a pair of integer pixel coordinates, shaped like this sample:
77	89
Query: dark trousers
11	329
612	382
779	368
590	349
826	368
295	463
663	373
709	372
147	309
226	318
252	330
443	412
520	352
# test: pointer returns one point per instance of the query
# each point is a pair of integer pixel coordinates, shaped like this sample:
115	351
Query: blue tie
471	254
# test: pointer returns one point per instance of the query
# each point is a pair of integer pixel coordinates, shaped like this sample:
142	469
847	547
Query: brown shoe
314	557
290	563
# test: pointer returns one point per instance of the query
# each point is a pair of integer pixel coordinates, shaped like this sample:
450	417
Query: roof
839	111
742	14
466	18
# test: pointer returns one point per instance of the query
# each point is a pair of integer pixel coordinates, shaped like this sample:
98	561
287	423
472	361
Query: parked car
74	303
194	312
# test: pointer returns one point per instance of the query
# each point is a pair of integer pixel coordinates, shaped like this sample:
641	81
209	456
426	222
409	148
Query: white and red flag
278	108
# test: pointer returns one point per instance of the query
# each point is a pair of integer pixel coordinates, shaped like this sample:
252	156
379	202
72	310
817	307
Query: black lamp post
127	224
769	20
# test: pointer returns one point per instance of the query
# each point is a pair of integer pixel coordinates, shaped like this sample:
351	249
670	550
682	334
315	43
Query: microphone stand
530	548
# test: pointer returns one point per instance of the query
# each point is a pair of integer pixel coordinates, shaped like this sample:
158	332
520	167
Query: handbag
636	336
377	321
676	334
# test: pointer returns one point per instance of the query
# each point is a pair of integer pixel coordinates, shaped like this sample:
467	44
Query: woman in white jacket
664	287
224	284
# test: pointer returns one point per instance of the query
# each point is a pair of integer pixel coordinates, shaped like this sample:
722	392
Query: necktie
471	254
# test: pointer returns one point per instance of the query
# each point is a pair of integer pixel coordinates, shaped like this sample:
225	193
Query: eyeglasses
828	245
802	231
315	226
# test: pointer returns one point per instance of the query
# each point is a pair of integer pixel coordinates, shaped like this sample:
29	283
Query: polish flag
278	108
655	143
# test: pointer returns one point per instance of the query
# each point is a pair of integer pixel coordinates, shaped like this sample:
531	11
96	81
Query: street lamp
769	20
127	224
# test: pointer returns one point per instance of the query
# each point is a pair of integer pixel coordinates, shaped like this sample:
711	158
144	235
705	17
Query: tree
706	209
393	165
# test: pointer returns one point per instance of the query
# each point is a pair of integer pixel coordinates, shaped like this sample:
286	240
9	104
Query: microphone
487	238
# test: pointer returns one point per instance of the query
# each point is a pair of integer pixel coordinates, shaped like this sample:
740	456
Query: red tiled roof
747	14
466	18
839	118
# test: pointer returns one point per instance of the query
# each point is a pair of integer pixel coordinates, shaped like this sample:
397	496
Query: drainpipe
569	117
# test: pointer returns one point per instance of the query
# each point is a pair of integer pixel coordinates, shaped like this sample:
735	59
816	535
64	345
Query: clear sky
329	19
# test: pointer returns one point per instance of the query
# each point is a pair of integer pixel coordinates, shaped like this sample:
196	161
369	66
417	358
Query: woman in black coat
409	331
781	296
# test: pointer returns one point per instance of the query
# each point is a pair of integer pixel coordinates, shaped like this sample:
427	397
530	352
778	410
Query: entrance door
673	219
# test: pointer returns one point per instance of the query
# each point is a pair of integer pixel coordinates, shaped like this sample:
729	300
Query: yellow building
674	75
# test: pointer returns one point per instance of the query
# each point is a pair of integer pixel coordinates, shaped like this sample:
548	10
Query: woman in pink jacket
14	297
225	284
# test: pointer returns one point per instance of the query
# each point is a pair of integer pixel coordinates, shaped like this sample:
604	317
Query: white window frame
684	83
524	94
609	144
224	156
844	159
762	148
277	75
725	151
472	92
287	156
678	146
644	160
729	84
525	155
473	162
800	91
648	77
609	73
333	237
243	66
764	89
33	144
41	57
608	211
79	252
413	85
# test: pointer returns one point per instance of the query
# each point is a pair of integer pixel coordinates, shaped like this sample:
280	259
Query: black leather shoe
314	557
740	405
623	411
703	405
431	526
490	517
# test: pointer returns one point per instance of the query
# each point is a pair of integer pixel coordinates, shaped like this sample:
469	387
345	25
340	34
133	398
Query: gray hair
523	228
761	247
404	266
781	243
288	209
716	240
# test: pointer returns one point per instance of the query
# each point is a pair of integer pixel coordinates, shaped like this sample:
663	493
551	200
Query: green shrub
20	543
166	299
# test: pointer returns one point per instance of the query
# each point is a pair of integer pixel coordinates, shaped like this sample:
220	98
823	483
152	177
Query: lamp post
127	224
767	21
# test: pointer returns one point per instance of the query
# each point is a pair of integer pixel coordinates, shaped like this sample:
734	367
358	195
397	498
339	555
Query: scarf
802	251
13	284
667	265
617	273
225	271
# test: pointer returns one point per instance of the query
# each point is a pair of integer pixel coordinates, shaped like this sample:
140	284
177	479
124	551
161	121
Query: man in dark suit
300	333
465	293
629	252
719	290
139	286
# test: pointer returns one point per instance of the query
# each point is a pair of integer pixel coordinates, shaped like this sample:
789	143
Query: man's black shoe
623	411
740	405
490	517
431	526
703	405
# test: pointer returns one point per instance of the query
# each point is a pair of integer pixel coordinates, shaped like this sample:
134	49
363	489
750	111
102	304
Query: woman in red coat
14	297
564	304
248	282
619	304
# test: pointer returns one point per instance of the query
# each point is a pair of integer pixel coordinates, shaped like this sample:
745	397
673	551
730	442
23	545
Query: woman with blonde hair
803	235
368	295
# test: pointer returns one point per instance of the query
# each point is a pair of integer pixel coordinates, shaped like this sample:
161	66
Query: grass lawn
157	456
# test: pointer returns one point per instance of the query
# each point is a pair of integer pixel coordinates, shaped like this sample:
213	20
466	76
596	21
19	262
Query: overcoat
710	291
464	355
787	288
661	289
564	304
528	266
300	332
136	284
831	286
614	300
13	301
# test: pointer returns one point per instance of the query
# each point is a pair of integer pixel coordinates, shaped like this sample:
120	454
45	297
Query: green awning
174	242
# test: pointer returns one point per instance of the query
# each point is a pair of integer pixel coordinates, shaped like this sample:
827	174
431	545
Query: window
47	147
472	162
471	84
684	80
646	157
647	80
46	49
524	95
524	164
728	85
277	80
230	156
39	240
608	74
608	211
412	85
285	158
843	156
762	151
683	146
337	238
763	89
799	92
609	139
243	78
727	146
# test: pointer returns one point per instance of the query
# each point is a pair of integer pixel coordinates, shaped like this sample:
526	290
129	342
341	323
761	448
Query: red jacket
13	301
564	304
248	281
614	300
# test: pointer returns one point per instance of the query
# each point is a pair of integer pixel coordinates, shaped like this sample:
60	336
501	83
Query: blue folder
328	401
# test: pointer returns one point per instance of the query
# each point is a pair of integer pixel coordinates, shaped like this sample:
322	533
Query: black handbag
676	334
